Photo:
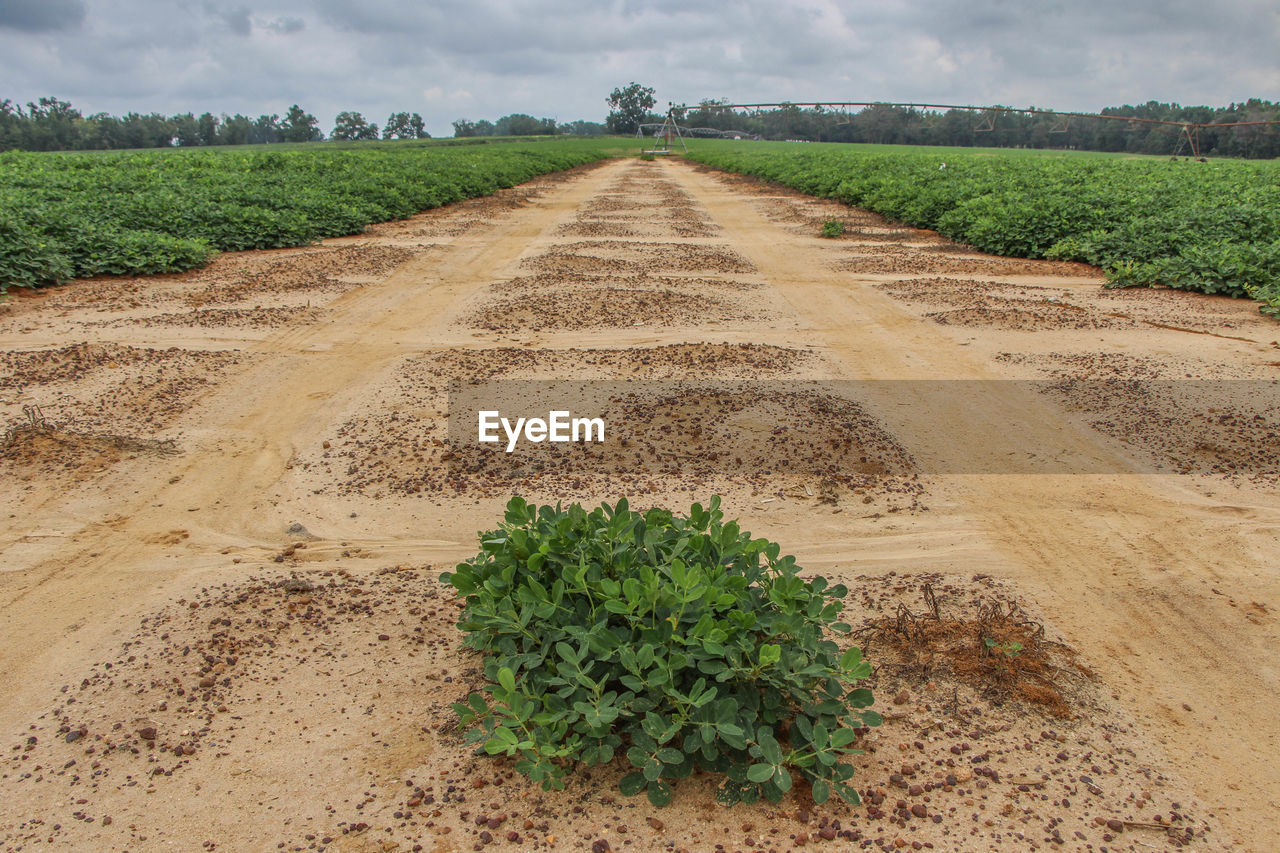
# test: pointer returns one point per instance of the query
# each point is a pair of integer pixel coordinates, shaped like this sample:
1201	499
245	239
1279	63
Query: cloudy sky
449	59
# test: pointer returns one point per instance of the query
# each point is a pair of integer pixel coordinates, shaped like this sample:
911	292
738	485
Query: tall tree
405	126
186	130
267	128
208	129
519	124
629	108
300	126
235	130
351	125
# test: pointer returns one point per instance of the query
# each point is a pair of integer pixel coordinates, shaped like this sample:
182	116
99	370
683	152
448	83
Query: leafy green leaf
632	784
667	755
507	679
659	794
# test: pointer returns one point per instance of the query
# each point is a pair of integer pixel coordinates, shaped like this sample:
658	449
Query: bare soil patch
546	282
254	318
318	701
1185	418
1002	305
105	386
880	263
590	306
600	256
37	451
1023	315
686	436
338	268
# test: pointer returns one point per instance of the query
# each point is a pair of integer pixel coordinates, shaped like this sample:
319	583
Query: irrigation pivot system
1188	130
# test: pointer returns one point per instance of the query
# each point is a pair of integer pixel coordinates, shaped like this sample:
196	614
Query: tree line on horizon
885	124
520	124
51	124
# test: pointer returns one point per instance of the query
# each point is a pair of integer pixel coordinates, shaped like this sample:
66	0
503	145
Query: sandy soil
229	494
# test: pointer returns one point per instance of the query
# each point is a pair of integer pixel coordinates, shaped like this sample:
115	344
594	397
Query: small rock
827	833
902	697
74	736
655	824
920	810
1115	825
297	530
147	732
600	845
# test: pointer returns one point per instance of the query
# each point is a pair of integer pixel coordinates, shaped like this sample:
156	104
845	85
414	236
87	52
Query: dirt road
285	412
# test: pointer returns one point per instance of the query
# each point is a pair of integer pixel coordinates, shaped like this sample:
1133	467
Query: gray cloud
237	20
287	25
485	58
38	16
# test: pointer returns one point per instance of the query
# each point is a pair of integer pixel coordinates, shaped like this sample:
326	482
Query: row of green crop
66	216
1212	227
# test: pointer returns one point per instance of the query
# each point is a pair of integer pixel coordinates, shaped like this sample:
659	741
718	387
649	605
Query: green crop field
72	215
1211	226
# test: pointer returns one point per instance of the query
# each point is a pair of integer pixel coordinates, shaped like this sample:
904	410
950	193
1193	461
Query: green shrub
678	642
1214	229
1269	296
832	228
29	258
78	214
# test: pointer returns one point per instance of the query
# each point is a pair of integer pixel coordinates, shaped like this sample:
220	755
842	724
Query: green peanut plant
674	642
